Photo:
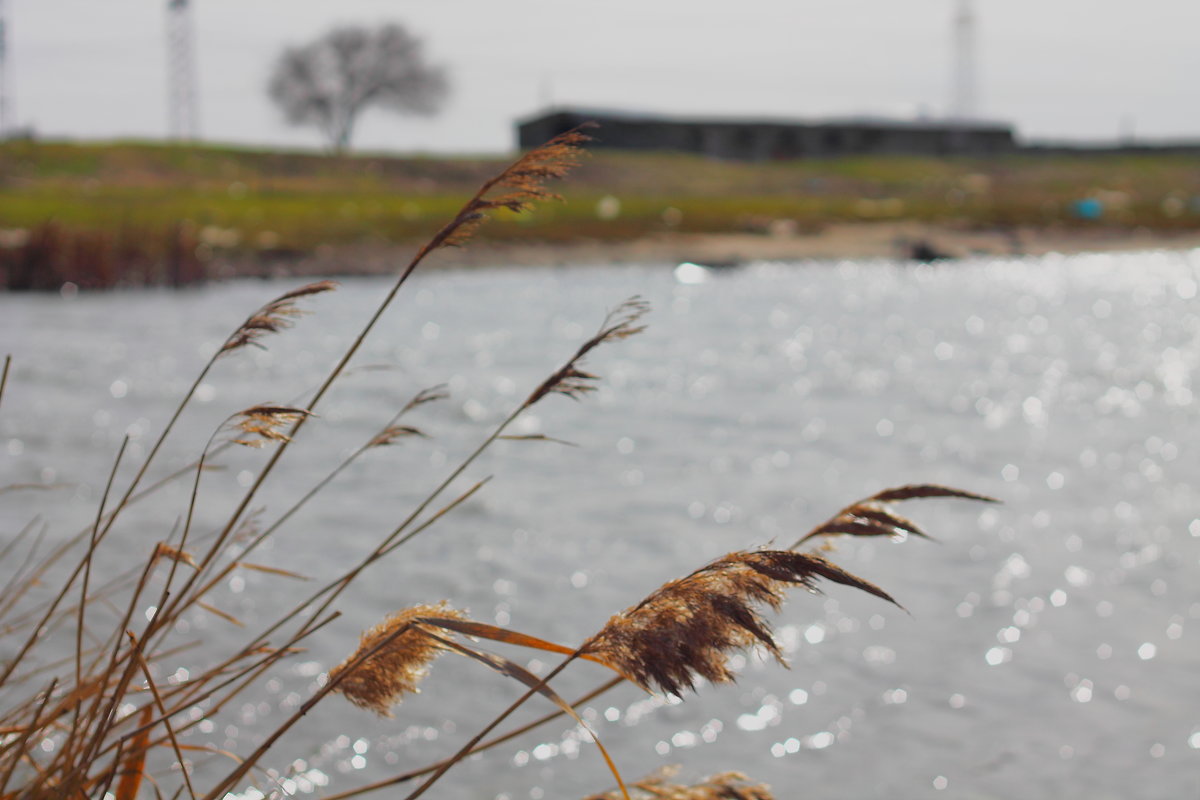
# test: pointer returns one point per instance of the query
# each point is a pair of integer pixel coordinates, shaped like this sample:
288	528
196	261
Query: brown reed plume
686	628
275	316
569	379
872	515
725	786
519	186
102	738
263	424
403	650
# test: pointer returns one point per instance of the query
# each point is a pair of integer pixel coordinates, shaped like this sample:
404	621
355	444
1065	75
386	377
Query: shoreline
893	240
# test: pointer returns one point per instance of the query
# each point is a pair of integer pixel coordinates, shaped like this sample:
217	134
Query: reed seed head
569	379
401	657
431	395
872	516
261	425
521	185
273	317
725	786
687	627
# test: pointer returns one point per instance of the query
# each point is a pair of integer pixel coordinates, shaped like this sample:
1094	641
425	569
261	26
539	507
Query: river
1052	644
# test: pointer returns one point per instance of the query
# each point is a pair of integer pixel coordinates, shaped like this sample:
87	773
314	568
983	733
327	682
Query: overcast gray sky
1056	68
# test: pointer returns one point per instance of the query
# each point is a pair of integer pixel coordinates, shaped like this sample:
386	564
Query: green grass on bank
244	199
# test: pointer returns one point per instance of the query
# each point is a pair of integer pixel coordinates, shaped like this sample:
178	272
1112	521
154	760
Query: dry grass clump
391	659
686	628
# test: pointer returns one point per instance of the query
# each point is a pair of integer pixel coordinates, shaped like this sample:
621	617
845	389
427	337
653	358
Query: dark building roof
767	138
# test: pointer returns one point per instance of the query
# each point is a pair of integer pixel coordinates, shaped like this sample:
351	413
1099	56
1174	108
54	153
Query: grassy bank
138	202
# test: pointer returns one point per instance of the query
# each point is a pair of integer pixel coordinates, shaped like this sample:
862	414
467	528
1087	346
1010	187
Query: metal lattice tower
964	92
5	98
183	105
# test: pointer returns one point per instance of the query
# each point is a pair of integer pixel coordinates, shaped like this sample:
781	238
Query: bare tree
331	81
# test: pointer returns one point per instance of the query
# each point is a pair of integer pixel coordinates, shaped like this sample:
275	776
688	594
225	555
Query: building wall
760	141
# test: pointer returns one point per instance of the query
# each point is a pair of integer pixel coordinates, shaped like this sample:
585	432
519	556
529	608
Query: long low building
765	139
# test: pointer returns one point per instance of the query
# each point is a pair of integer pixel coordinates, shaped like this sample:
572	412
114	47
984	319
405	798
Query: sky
1056	69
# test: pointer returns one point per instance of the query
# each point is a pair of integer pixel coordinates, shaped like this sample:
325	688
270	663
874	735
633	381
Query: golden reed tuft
275	316
725	786
872	516
401	659
263	424
569	380
519	186
686	627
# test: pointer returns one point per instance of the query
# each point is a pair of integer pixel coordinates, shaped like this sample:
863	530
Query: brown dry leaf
134	765
223	615
164	550
536	437
919	490
273	571
511	669
484	631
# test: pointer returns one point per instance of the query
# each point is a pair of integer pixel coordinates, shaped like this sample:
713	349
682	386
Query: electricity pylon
964	97
183	112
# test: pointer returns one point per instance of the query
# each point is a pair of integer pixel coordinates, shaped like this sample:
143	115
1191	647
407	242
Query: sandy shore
886	240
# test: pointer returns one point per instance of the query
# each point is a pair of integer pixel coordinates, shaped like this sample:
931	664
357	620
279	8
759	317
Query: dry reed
725	786
112	719
275	316
872	516
687	627
403	650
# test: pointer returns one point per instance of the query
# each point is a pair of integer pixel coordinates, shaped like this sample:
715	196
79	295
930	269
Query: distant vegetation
330	82
146	204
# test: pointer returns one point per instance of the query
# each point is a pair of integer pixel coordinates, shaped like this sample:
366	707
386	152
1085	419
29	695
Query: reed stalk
108	716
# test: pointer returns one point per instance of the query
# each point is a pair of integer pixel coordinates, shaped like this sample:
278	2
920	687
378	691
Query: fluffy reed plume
392	659
273	317
569	379
263	424
871	516
725	786
686	627
518	187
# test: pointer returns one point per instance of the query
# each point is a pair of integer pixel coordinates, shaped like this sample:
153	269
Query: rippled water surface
1052	647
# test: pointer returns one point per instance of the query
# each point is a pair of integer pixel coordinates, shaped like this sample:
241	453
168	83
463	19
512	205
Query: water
1052	645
